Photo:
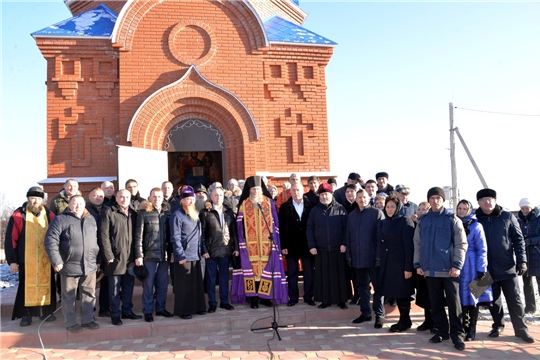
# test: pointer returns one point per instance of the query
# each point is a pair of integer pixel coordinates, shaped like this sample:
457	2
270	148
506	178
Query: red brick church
190	91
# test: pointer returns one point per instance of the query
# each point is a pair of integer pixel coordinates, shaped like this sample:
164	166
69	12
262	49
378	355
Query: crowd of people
363	243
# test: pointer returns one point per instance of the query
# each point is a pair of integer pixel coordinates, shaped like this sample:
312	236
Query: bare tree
6	209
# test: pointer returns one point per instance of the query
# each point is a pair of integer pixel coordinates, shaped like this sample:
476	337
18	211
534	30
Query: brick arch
192	96
232	140
135	10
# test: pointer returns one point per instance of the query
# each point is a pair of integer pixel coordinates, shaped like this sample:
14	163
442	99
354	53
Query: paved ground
329	340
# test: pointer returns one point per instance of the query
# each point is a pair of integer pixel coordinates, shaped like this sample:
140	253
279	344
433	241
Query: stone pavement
327	339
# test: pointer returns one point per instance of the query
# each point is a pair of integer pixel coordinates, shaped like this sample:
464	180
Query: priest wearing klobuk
259	257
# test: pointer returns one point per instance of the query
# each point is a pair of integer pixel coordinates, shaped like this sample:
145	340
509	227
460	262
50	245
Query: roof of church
98	22
283	31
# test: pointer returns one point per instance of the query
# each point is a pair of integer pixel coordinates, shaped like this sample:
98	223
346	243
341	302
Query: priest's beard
191	211
35	209
256	199
325	201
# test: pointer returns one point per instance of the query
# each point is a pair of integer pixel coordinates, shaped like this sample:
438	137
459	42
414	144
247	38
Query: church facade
190	91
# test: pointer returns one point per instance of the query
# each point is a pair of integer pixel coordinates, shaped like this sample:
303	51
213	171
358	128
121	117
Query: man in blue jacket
504	240
440	244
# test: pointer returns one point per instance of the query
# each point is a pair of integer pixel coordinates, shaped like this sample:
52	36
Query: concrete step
243	317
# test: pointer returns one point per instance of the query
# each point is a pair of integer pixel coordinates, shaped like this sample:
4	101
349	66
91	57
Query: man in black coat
95	204
108	190
326	235
293	217
350	198
151	244
218	226
135	200
71	244
362	226
353	179
116	246
313	183
383	185
504	240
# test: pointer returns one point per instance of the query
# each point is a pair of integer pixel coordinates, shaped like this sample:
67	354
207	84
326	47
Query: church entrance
195	153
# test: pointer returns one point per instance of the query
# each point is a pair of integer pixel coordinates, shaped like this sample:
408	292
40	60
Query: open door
148	167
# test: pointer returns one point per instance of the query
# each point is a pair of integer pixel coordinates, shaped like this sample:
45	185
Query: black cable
39	332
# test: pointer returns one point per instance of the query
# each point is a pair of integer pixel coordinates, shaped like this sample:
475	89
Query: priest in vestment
261	274
25	254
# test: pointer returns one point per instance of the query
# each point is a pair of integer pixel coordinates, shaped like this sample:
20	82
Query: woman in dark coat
395	249
475	265
529	221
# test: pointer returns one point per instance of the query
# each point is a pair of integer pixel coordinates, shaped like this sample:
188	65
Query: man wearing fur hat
326	237
409	208
440	244
25	254
260	248
151	245
506	261
382	184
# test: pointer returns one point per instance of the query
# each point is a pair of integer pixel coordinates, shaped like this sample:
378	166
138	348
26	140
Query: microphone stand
274	325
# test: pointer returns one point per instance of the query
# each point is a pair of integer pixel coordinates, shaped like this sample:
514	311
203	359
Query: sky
396	68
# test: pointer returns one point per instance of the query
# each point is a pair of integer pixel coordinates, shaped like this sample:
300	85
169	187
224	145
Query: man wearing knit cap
504	241
383	185
354	179
440	244
25	254
409	208
330	181
326	236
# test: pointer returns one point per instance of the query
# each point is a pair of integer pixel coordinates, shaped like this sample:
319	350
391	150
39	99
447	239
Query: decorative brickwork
177	60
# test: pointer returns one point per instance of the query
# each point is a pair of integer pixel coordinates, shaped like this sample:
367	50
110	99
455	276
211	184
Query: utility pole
453	197
471	158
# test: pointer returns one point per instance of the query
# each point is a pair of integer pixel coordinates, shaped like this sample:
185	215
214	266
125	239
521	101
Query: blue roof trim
98	22
283	31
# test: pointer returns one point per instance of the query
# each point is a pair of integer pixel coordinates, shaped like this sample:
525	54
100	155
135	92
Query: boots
465	310
428	322
471	331
404	322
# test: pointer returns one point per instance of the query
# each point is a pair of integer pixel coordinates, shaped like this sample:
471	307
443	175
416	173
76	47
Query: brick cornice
134	12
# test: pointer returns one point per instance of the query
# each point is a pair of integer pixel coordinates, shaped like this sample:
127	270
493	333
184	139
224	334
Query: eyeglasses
487	199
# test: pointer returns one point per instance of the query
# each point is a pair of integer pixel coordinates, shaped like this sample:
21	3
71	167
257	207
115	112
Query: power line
494	112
